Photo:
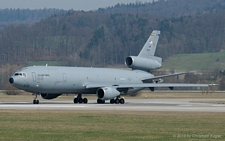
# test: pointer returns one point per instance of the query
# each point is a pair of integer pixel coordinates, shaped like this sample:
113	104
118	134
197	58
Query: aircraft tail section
146	60
150	46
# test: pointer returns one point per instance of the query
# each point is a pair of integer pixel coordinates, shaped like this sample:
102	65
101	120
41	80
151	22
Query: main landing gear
79	99
36	101
117	101
99	101
112	101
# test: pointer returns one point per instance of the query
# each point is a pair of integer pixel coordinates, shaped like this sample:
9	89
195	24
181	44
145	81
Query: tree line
96	38
168	8
26	16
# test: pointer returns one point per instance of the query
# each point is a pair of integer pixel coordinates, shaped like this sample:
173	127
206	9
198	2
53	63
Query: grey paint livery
50	79
107	84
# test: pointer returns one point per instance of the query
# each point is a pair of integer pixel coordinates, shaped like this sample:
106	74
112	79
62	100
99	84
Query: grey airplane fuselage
50	79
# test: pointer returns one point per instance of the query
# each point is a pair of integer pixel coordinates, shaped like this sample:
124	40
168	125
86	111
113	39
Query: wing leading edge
146	85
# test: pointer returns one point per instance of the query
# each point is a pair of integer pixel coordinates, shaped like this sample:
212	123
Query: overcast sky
63	4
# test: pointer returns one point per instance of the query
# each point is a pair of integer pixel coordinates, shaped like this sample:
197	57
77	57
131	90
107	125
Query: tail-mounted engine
145	64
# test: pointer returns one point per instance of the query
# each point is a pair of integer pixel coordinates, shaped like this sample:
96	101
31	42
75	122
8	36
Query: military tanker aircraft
108	84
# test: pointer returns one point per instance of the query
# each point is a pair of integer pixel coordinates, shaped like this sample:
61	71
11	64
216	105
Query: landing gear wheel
122	101
35	101
85	100
117	101
99	101
112	101
80	100
75	100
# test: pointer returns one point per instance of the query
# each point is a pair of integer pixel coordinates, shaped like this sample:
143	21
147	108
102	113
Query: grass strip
110	125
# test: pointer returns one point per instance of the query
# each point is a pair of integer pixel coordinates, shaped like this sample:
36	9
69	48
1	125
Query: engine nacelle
107	93
49	96
143	63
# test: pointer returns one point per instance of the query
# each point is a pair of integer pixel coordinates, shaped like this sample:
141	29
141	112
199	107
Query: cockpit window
16	74
24	75
20	74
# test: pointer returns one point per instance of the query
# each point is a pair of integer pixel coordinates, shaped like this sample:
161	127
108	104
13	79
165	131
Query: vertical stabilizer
150	46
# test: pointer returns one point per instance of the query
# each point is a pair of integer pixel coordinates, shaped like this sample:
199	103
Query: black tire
117	101
112	101
35	101
75	100
80	100
122	101
85	100
99	101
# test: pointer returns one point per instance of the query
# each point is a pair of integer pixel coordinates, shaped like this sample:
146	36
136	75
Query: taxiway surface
175	105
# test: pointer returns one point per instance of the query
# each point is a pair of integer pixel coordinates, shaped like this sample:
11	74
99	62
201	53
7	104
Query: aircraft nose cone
11	80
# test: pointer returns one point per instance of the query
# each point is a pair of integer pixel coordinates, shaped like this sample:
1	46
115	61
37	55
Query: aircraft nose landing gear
36	101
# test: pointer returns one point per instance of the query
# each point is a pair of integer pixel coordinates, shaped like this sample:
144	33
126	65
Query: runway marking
131	105
15	102
185	105
45	106
218	105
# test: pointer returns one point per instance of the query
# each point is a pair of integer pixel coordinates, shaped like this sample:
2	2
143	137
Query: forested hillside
107	36
169	8
25	16
95	39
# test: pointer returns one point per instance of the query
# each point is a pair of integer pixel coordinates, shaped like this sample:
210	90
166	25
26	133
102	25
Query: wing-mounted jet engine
107	93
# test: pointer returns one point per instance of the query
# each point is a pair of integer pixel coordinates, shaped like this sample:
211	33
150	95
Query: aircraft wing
150	85
146	85
153	85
